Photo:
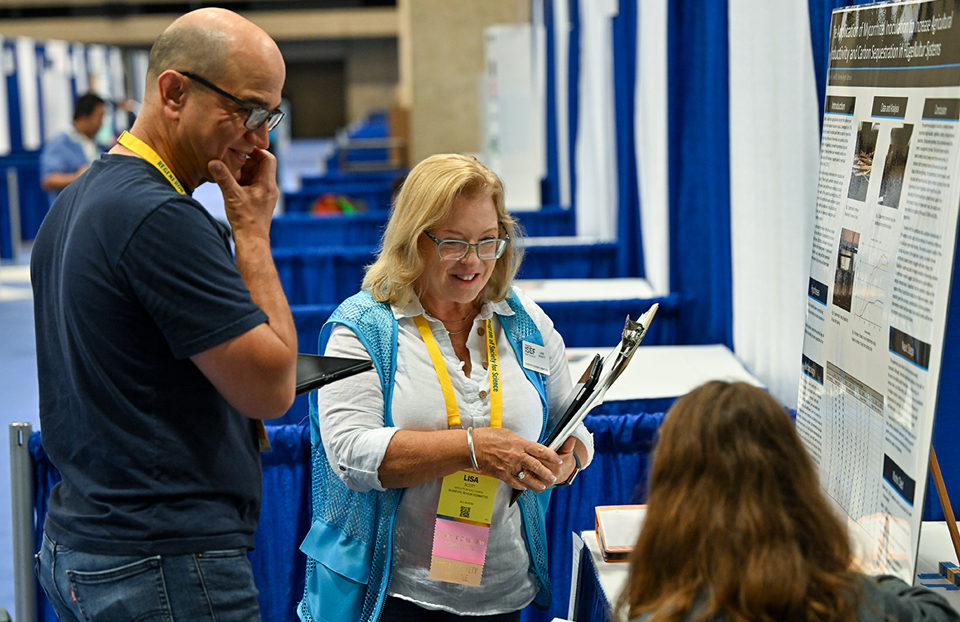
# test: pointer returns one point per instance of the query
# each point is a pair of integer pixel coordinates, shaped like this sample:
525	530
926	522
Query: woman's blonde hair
736	526
425	199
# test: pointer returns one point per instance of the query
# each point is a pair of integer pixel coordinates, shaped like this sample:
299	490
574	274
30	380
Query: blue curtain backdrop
630	254
549	186
13	99
16	144
6	235
573	87
699	133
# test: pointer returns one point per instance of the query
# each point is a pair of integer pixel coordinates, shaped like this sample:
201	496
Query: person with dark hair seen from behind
738	530
159	353
456	400
68	154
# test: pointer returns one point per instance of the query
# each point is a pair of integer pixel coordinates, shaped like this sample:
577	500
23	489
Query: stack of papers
618	527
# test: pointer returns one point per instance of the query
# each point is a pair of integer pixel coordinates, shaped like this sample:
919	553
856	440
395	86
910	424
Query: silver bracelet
473	456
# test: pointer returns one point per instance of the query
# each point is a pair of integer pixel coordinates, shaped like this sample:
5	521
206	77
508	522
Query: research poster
881	267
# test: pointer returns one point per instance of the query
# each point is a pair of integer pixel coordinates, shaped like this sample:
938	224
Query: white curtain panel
81	77
774	144
98	70
650	138
7	67
26	51
118	94
139	61
56	81
596	158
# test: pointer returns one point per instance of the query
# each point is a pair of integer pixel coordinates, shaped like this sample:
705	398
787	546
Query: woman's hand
504	455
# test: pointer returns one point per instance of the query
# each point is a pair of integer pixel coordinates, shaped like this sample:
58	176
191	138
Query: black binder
314	371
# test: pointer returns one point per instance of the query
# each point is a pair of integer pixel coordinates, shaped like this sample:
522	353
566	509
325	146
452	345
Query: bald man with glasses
159	352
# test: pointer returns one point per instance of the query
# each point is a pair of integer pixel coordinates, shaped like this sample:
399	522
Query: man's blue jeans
85	587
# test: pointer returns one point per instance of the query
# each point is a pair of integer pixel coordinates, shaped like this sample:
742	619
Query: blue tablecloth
592	604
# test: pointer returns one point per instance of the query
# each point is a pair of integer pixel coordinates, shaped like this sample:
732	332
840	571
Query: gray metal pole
13	200
21	491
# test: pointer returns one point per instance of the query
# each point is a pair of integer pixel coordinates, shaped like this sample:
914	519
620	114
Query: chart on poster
881	267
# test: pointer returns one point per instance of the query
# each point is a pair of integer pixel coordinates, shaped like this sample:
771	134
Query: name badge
535	358
463	524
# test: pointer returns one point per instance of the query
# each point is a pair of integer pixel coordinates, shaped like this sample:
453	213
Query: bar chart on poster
881	267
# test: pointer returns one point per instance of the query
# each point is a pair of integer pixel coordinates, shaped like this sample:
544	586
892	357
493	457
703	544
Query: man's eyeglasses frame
256	116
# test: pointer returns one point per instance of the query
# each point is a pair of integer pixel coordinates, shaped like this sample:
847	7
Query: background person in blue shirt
68	155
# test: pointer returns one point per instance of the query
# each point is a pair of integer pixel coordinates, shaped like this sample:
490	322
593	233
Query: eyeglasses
256	116
456	250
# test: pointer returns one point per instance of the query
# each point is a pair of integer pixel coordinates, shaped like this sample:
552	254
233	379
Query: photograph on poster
846	269
895	166
863	160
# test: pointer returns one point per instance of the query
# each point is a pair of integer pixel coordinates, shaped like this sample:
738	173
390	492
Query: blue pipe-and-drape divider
617	476
630	256
573	89
550	184
6	231
699	169
33	201
16	143
13	99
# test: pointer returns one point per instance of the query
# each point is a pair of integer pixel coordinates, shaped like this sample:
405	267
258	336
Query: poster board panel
881	267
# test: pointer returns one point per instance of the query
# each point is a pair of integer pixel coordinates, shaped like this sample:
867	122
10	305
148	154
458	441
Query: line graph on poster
870	286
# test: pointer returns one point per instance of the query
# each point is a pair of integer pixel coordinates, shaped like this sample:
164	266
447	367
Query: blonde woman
457	390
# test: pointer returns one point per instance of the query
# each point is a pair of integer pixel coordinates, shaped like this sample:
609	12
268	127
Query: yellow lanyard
496	397
144	150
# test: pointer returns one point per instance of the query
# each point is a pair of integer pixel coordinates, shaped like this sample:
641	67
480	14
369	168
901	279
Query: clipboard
590	390
578	397
314	371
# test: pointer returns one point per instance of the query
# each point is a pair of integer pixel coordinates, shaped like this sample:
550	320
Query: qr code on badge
464	511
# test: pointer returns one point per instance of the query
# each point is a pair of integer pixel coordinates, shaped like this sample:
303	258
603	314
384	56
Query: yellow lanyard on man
146	152
465	510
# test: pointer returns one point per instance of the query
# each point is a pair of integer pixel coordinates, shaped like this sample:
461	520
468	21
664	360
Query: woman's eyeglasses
455	250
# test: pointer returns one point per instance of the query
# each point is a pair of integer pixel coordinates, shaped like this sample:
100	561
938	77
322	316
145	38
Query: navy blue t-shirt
130	280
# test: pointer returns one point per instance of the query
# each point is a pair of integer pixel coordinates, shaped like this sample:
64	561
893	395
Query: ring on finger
521	475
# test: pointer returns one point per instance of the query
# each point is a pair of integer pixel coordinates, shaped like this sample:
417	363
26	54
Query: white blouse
352	426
